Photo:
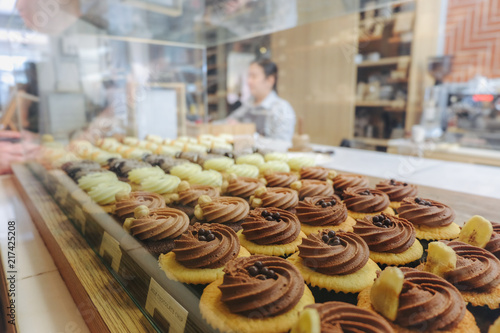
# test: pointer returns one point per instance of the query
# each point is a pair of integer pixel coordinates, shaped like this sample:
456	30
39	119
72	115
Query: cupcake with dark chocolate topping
391	239
277	197
362	201
323	212
157	228
426	303
397	191
432	220
313	188
336	261
230	211
343	181
271	231
256	294
200	254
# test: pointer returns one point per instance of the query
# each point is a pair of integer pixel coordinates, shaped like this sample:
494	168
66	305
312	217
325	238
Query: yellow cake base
217	314
396	259
177	272
350	283
467	325
271	250
395	204
356	215
490	298
347	225
431	233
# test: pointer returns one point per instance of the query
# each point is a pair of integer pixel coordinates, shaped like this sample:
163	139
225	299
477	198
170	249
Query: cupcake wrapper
321	295
485	316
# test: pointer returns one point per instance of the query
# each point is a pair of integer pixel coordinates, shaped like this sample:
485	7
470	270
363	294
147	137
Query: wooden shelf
372	141
385	61
395	105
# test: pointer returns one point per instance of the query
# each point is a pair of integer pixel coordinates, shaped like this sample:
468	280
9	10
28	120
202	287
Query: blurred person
13	151
273	116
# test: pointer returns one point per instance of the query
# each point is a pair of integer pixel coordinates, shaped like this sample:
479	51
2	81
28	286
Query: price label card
110	247
165	309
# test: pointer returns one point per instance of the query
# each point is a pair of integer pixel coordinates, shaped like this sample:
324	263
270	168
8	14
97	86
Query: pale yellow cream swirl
104	193
218	164
244	170
161	184
208	177
254	159
185	170
140	174
89	181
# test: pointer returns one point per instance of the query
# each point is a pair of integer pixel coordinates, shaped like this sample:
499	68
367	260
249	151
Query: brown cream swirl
263	232
397	190
280	179
225	210
494	244
342	181
190	196
314	188
436	215
348	257
280	197
343	317
365	200
159	224
314	172
249	295
243	187
192	252
310	212
428	302
125	208
396	238
476	269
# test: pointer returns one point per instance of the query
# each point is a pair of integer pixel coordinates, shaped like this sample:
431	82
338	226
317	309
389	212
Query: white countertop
45	304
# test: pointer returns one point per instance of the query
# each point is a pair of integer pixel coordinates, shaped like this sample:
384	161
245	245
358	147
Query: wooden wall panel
317	75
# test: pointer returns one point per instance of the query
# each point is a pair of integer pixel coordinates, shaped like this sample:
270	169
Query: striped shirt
273	118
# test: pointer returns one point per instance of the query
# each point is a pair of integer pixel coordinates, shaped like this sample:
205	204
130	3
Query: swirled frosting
91	180
250	295
476	269
139	174
342	181
398	237
243	187
344	317
104	193
297	163
125	207
225	210
278	166
365	200
428	301
190	196
218	163
122	166
312	213
314	188
314	172
280	179
259	230
494	244
185	170
192	252
244	170
253	159
159	224
74	167
276	157
160	184
397	190
208	177
168	150
349	256
280	197
435	215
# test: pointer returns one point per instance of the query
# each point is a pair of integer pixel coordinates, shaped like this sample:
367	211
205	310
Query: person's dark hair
270	69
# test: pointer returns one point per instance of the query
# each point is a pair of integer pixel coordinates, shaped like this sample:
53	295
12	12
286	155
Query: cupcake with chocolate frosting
476	275
157	228
256	294
427	303
317	173
397	191
336	261
391	239
230	211
323	212
277	197
188	196
432	220
243	187
280	179
313	188
343	181
362	201
127	203
200	254
344	317
494	244
271	231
